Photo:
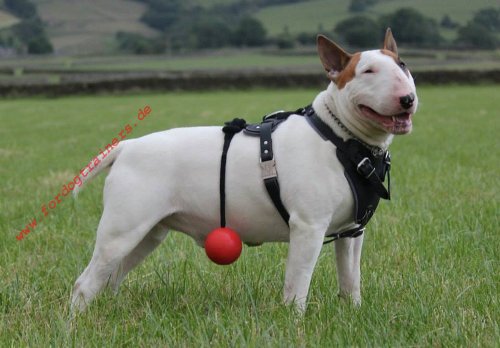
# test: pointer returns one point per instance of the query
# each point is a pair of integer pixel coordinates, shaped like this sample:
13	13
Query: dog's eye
368	71
402	65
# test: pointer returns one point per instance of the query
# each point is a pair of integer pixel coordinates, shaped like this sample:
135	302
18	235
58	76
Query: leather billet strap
268	166
352	233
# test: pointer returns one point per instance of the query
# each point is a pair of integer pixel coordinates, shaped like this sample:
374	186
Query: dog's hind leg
120	231
305	246
139	253
348	257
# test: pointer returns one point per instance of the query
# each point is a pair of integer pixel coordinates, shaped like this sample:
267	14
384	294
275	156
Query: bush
306	38
250	32
475	35
284	42
211	33
40	45
360	31
138	44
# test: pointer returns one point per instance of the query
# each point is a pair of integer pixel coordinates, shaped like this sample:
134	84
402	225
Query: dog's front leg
305	245
348	257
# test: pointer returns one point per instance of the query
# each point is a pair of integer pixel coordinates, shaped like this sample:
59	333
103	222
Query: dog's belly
254	233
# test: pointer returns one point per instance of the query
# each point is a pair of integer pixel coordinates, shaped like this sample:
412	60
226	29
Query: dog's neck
342	117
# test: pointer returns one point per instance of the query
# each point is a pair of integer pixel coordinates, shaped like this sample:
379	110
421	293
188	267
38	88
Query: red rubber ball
223	246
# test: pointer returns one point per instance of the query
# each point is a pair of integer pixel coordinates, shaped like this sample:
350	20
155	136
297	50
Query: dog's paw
78	304
299	305
78	300
355	299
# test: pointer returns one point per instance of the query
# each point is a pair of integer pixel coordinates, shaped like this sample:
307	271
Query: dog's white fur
170	180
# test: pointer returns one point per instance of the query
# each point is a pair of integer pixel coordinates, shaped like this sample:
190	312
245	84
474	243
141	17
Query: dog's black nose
407	100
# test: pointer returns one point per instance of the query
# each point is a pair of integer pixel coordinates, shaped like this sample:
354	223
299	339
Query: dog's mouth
395	124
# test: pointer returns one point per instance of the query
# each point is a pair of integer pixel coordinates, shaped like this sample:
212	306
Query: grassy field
430	264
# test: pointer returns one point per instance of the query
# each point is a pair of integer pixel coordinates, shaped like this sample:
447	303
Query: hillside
318	15
7	20
89	27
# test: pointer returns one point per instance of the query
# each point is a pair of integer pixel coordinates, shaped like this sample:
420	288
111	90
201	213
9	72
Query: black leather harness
364	169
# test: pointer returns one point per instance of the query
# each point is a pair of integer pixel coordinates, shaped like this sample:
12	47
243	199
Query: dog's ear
333	57
390	43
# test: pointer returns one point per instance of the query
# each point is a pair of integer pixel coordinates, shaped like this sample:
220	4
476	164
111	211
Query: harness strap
230	129
352	233
351	153
268	166
350	148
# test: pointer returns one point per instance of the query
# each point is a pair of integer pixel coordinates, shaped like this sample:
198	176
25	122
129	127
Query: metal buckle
387	158
358	233
268	169
268	116
365	167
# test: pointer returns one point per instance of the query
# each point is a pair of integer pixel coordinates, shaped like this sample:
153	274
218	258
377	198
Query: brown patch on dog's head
390	54
349	71
339	65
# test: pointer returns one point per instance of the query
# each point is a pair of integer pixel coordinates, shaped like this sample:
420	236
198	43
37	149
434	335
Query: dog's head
374	88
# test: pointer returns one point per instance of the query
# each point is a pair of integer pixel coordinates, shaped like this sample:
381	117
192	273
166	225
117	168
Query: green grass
430	264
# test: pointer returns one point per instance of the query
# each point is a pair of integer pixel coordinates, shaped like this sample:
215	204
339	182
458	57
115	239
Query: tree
21	8
411	27
250	32
211	33
32	33
163	14
474	35
360	5
447	22
488	18
359	31
481	31
40	45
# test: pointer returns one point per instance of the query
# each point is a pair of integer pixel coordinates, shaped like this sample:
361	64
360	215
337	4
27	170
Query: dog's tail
102	161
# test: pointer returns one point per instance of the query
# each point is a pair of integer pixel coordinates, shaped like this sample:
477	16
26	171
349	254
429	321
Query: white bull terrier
169	180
